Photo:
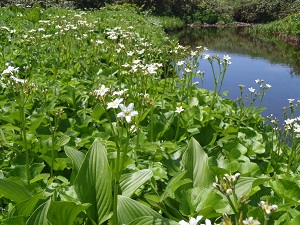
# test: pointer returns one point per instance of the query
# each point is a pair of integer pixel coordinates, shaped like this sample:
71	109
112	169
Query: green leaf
36	123
14	191
17	220
195	161
39	216
174	184
202	201
287	190
130	182
64	213
245	185
76	156
63	140
129	210
152	220
97	112
26	207
93	183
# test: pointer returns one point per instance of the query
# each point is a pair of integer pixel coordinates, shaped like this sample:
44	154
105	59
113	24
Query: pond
272	60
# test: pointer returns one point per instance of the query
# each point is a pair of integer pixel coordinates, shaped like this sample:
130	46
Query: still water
277	63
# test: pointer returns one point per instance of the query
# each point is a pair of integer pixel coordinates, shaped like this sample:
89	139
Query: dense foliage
204	11
96	127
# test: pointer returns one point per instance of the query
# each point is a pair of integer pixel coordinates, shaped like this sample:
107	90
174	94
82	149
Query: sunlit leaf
14	191
130	182
151	220
195	162
63	213
39	216
26	207
93	183
129	210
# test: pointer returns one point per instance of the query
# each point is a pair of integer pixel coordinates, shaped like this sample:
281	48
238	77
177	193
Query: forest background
204	11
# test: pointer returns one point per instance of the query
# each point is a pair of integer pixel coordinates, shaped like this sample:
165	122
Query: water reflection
275	62
235	40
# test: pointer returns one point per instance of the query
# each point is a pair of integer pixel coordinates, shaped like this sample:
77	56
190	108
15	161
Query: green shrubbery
205	11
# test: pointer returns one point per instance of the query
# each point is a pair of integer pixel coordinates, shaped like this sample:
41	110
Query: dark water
272	60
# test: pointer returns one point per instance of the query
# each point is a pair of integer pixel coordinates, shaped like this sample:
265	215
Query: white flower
99	42
130	53
127	112
119	92
192	221
188	70
268	209
114	104
251	90
180	63
101	92
17	80
207	222
151	69
11	70
257	80
206	56
251	221
226	57
289	121
179	109
268	86
291	100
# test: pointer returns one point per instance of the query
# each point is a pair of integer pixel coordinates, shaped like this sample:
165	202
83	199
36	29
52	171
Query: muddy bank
292	40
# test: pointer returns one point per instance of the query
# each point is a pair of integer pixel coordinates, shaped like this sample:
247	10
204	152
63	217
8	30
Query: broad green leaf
129	210
76	156
203	201
97	112
13	191
93	183
152	220
36	123
195	161
176	182
17	220
63	140
130	182
245	185
64	213
287	190
26	207
39	216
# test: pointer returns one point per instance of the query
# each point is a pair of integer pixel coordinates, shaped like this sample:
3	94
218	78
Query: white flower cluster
293	123
251	221
126	111
268	209
227	184
194	221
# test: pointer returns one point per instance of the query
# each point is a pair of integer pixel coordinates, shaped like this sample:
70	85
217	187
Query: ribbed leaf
63	140
151	220
76	156
195	161
130	182
64	213
14	191
93	183
39	216
176	182
129	210
26	207
18	220
245	185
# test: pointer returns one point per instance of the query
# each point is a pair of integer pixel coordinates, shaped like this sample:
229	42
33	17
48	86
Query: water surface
272	60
